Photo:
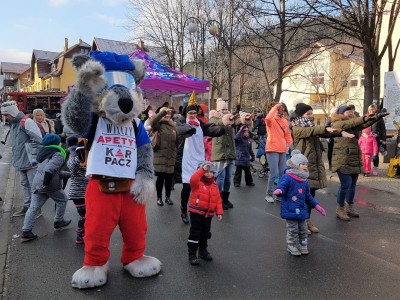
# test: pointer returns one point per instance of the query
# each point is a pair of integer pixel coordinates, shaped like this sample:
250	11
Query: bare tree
362	20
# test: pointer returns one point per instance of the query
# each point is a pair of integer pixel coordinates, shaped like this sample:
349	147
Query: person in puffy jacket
294	190
47	184
244	157
369	148
205	201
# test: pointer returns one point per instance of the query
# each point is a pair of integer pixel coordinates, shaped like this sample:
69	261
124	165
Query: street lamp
194	28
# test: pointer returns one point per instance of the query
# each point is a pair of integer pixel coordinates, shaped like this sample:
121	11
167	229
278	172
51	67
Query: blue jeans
347	188
224	178
277	164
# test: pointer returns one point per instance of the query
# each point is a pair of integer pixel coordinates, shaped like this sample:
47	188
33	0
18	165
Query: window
317	78
354	82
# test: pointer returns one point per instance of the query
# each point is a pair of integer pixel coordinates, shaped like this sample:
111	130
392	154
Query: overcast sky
43	25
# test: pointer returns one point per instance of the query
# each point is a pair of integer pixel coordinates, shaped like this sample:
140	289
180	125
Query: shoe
304	250
61	224
350	210
237	185
169	201
269	199
293	250
250	184
341	213
21	212
39	214
366	174
79	240
311	227
184	217
28	236
160	202
308	232
225	206
194	261
276	198
205	255
229	203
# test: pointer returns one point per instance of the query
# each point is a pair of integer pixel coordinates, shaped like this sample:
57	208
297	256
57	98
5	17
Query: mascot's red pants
103	213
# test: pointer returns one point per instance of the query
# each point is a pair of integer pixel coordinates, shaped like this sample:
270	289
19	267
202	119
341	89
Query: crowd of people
200	149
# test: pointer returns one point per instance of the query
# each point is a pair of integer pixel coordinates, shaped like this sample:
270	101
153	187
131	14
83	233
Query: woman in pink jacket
279	139
369	148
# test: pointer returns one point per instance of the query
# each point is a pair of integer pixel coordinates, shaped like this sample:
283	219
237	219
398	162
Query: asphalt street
348	260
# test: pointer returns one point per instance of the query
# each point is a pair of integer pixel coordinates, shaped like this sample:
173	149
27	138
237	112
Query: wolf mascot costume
104	106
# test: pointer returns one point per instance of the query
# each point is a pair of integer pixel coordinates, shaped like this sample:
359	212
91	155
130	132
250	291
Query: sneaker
28	236
237	185
61	224
250	184
269	199
293	250
160	202
304	250
276	198
169	201
21	212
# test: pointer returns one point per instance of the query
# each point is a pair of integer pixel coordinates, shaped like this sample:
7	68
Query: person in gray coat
46	184
25	139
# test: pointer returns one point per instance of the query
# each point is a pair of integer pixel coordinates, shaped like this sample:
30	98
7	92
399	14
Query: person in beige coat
164	153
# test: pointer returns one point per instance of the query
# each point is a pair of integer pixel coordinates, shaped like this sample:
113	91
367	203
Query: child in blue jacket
294	191
244	157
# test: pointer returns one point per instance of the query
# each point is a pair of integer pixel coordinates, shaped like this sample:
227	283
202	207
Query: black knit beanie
302	108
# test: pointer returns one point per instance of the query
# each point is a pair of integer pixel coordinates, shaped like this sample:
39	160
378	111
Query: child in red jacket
205	201
369	148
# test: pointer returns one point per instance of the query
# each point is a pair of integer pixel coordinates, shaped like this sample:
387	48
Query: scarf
303	122
301	174
207	181
59	148
193	122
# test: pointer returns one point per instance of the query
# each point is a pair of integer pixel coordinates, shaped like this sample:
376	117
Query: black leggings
185	194
161	178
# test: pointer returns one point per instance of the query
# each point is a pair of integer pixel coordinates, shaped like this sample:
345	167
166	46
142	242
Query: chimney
80	41
65	44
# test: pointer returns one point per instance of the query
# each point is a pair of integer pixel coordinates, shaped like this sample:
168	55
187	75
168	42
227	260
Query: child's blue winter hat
51	139
113	61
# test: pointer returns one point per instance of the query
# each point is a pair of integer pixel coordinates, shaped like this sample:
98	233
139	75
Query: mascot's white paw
145	266
90	277
142	189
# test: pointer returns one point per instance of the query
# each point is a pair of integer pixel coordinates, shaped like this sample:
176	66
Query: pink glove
319	209
277	192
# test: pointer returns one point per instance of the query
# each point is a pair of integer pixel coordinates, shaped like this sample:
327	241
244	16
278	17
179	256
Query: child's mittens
320	209
277	192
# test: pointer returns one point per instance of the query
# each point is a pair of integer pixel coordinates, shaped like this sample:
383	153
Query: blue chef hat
113	61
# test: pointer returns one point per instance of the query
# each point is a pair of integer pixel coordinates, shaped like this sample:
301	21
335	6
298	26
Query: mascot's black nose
125	105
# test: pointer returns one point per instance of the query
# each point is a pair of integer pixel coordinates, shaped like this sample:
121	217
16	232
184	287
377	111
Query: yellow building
324	78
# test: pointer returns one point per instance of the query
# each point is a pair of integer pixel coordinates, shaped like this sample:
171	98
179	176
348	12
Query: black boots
226	204
205	255
184	216
168	201
160	202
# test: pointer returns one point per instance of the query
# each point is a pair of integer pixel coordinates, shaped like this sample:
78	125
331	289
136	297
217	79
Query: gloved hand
277	192
252	158
382	115
319	209
370	117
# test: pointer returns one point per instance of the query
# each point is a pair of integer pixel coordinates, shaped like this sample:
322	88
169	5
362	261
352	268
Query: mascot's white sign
391	99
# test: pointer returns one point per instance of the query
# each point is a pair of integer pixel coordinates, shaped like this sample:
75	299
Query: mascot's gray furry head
106	84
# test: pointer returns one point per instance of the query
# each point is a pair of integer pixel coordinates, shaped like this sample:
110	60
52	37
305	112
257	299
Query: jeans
38	200
26	182
347	188
277	164
224	177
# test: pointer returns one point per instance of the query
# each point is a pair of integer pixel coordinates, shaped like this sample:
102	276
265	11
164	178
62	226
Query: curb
5	229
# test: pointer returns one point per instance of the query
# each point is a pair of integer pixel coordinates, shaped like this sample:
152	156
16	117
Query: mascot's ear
140	69
79	60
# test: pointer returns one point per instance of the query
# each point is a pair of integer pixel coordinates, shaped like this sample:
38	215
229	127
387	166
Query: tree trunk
368	80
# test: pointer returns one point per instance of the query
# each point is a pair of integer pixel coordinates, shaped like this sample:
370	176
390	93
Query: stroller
262	156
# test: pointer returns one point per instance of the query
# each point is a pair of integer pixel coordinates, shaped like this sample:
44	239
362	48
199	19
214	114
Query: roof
16	68
44	55
113	46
